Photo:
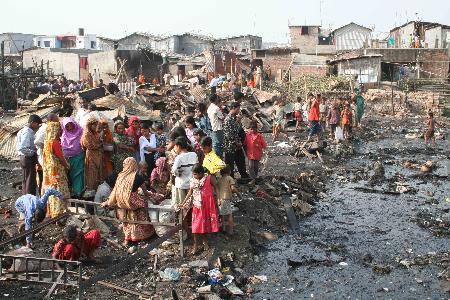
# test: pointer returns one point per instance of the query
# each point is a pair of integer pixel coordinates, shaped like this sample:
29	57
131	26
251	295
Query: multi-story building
67	41
16	42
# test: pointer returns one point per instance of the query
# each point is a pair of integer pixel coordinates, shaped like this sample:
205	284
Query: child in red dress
204	210
76	243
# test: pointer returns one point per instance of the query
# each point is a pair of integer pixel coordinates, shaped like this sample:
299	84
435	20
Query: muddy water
352	230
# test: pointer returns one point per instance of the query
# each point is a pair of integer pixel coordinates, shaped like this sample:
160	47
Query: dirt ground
368	236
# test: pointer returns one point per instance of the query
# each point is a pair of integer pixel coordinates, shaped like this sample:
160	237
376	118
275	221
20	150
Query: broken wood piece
54	285
319	156
375	191
309	155
292	218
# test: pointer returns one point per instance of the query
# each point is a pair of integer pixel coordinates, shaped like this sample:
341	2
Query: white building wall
432	35
43	41
405	34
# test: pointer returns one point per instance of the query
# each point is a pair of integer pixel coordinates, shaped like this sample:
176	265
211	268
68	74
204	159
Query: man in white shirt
27	153
82	112
216	118
214	83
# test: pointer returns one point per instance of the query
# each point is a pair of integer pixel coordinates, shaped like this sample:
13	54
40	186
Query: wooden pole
2	82
392	88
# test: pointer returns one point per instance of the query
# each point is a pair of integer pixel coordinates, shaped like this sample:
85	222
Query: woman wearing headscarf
134	131
107	139
55	169
123	146
130	204
160	176
71	146
93	162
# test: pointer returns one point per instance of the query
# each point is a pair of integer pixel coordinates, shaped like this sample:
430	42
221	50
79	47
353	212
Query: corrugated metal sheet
351	37
113	102
9	130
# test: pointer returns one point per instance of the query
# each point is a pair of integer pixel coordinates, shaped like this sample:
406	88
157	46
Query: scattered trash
170	274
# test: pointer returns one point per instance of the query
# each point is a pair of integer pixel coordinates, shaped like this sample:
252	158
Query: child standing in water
204	211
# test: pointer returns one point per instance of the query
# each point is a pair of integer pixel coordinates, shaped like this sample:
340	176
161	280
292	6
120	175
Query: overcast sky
268	19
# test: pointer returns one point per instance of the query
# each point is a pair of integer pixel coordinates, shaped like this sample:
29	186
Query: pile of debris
330	86
385	102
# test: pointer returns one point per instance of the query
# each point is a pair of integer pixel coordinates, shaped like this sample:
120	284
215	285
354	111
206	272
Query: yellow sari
55	174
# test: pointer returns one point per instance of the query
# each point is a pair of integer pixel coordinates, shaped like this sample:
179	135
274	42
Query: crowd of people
319	115
127	165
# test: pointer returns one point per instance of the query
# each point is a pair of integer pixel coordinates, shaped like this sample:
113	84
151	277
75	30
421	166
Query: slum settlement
193	167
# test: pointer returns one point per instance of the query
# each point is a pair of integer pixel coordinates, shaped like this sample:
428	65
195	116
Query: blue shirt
204	124
25	142
27	205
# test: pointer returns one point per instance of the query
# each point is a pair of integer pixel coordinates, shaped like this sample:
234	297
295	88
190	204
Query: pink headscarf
160	172
70	140
136	134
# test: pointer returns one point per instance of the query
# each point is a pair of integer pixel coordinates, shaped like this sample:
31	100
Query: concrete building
365	68
351	36
243	43
282	60
311	39
403	35
136	40
70	62
106	44
16	42
186	44
437	36
67	41
424	63
108	63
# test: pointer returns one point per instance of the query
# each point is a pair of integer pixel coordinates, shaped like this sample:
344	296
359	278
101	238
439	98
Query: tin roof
9	129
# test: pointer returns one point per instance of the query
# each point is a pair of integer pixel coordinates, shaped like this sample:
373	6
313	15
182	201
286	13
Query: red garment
346	117
205	219
107	163
314	111
57	149
84	244
136	134
254	142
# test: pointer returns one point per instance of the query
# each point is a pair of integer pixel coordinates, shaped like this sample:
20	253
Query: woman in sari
160	176
131	205
107	147
93	163
134	131
123	144
71	146
55	170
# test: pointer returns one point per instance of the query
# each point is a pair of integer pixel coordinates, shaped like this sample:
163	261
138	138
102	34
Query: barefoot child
255	144
431	125
346	117
204	211
226	189
298	113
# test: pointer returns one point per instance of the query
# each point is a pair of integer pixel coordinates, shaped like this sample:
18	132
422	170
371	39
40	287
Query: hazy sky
268	19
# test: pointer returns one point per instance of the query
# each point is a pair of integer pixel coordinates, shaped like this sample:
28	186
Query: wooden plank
53	287
292	218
